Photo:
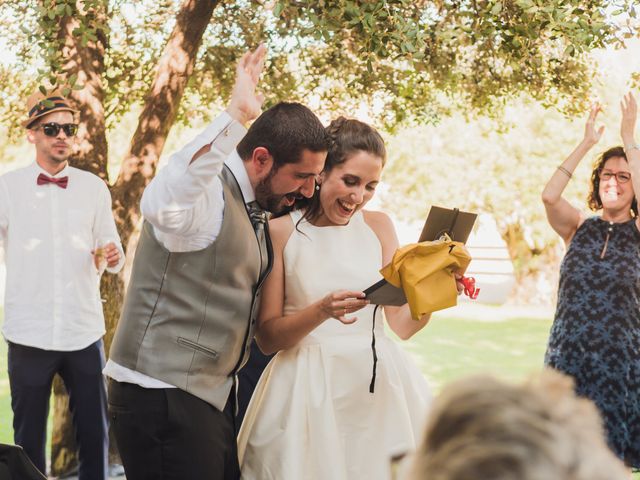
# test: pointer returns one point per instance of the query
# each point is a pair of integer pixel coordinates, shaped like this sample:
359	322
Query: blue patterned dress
595	336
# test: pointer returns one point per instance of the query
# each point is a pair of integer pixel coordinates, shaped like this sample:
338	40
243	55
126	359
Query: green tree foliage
497	166
421	58
416	59
500	165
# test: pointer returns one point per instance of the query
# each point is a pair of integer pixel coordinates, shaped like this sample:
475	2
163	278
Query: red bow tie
61	182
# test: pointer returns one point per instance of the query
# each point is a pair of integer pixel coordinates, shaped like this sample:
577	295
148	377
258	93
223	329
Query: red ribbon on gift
470	289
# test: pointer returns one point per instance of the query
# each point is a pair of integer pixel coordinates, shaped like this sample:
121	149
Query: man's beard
270	201
59	158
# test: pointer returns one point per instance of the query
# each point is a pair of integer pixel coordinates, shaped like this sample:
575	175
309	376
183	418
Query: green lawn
508	347
450	347
446	349
6	416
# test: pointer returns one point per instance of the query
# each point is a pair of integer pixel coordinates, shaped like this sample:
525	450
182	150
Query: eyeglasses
621	177
51	129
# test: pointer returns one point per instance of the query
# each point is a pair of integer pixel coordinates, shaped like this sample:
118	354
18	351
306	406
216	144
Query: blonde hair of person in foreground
481	428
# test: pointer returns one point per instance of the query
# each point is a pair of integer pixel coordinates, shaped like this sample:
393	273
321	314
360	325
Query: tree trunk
63	444
87	63
161	105
139	165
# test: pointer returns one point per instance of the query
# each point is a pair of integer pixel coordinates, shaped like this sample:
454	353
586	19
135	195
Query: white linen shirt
52	297
185	205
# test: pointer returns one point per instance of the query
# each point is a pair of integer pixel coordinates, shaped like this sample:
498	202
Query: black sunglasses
51	129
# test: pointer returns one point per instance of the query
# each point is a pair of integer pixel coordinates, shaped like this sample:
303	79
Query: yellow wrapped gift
425	270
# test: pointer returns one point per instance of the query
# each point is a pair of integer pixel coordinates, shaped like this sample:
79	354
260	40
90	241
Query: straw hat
39	105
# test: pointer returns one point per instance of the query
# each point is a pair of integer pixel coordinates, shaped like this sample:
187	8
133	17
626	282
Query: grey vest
189	317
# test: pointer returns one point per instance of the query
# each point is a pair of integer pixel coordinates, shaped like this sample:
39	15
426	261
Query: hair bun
335	126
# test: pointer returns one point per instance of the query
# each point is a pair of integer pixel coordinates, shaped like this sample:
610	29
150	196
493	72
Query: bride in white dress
312	415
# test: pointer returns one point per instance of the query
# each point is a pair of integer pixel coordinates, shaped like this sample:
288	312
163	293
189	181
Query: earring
317	187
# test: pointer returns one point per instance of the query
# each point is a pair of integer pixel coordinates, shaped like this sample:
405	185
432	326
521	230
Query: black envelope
454	222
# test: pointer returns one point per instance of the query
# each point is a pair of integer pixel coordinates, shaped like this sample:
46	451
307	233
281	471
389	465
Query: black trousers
31	372
169	434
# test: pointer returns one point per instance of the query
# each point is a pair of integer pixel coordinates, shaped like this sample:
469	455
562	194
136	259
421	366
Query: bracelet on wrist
631	146
565	171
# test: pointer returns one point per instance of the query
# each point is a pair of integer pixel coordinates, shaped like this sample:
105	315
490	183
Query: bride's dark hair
346	137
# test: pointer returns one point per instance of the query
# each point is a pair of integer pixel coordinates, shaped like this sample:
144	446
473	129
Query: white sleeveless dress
312	416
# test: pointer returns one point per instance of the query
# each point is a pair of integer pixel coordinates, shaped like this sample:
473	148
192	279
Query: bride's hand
340	303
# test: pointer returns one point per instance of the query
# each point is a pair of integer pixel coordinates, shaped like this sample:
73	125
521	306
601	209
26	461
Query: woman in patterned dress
595	336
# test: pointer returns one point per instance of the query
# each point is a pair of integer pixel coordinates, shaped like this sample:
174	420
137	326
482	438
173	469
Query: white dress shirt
184	202
52	297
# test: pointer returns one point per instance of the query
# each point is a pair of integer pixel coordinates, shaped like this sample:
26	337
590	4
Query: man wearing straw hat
58	233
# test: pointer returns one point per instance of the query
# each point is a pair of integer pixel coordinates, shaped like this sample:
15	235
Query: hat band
40	108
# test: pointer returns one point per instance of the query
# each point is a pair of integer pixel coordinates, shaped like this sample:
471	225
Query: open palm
246	102
591	134
629	109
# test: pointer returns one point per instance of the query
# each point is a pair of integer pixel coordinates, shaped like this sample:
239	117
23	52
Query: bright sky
7	57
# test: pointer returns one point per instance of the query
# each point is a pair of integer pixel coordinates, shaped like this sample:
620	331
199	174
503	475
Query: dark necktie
260	222
62	182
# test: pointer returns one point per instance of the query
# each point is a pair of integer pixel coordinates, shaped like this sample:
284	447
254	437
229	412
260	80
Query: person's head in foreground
351	172
481	428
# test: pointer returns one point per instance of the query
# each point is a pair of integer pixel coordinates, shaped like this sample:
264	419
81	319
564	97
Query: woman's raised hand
340	303
629	109
591	134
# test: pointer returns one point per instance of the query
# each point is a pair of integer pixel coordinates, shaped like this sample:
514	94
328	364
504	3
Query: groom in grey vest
190	309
